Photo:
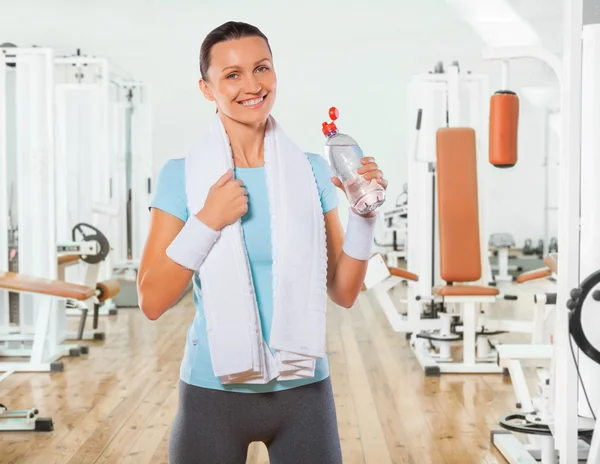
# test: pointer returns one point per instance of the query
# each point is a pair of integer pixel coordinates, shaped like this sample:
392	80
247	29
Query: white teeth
252	102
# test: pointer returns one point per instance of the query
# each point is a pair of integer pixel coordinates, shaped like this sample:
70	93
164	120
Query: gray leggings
298	426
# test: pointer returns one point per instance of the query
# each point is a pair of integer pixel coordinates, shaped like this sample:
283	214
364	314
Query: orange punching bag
504	127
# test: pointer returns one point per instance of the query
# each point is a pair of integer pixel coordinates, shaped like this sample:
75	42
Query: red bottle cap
330	127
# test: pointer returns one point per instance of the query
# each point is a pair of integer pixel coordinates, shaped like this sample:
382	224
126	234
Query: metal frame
439	96
41	330
451	98
122	162
577	73
83	160
132	171
380	282
478	358
457	99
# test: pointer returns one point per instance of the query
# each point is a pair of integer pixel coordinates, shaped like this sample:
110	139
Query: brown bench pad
403	274
542	273
466	290
107	289
13	281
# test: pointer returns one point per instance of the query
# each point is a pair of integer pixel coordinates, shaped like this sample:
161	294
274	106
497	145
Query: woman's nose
252	85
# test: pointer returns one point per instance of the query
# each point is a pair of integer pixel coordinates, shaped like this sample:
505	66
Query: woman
216	422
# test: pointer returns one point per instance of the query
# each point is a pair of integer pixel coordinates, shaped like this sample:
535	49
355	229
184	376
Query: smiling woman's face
241	80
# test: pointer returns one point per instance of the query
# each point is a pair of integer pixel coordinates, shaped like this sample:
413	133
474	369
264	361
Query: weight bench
45	347
379	281
460	264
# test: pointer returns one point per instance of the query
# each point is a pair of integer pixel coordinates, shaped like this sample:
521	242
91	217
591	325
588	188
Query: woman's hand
370	171
227	201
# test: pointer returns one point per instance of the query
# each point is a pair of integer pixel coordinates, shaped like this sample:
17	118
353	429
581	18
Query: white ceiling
545	16
514	22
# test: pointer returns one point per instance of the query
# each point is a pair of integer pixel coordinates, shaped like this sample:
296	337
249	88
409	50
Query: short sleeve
169	194
327	191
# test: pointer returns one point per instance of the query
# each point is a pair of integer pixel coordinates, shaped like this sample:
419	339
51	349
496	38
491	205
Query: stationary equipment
105	156
444	97
434	98
83	161
574	402
444	172
90	248
464	292
32	300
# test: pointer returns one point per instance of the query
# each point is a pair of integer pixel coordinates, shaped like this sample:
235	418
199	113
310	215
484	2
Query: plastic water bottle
344	156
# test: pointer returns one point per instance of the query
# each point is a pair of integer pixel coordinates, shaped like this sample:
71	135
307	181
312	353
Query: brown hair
231	30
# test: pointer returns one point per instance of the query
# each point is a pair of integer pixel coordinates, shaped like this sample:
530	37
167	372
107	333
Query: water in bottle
344	156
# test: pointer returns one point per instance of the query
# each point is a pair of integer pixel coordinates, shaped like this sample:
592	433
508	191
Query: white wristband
360	234
192	244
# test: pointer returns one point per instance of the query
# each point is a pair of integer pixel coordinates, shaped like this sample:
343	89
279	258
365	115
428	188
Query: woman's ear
205	90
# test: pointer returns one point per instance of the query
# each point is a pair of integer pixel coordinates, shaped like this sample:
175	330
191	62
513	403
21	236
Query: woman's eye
232	76
262	69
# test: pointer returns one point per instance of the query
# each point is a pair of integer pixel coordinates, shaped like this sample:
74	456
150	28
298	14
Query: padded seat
107	289
466	290
13	281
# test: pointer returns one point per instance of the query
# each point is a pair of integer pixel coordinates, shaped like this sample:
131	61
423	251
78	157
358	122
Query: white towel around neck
238	351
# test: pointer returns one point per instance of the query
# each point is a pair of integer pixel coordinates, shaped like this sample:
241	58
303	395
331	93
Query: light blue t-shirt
170	196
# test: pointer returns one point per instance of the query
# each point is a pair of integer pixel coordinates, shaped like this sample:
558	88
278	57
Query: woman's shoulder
317	161
323	175
169	194
174	167
320	168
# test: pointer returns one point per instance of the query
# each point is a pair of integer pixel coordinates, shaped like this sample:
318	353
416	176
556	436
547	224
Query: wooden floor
116	404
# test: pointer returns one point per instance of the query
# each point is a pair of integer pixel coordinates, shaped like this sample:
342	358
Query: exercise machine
464	292
575	379
439	314
444	97
104	156
83	160
32	300
132	184
89	247
446	100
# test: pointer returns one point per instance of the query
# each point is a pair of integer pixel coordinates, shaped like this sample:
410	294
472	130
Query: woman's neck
247	143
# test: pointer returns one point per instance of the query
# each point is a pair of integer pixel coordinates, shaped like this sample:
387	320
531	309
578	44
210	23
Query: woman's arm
161	281
174	248
345	275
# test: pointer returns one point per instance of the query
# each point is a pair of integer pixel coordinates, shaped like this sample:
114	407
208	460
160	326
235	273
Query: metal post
565	394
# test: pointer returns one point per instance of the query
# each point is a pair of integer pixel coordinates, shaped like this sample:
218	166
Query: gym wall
356	55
